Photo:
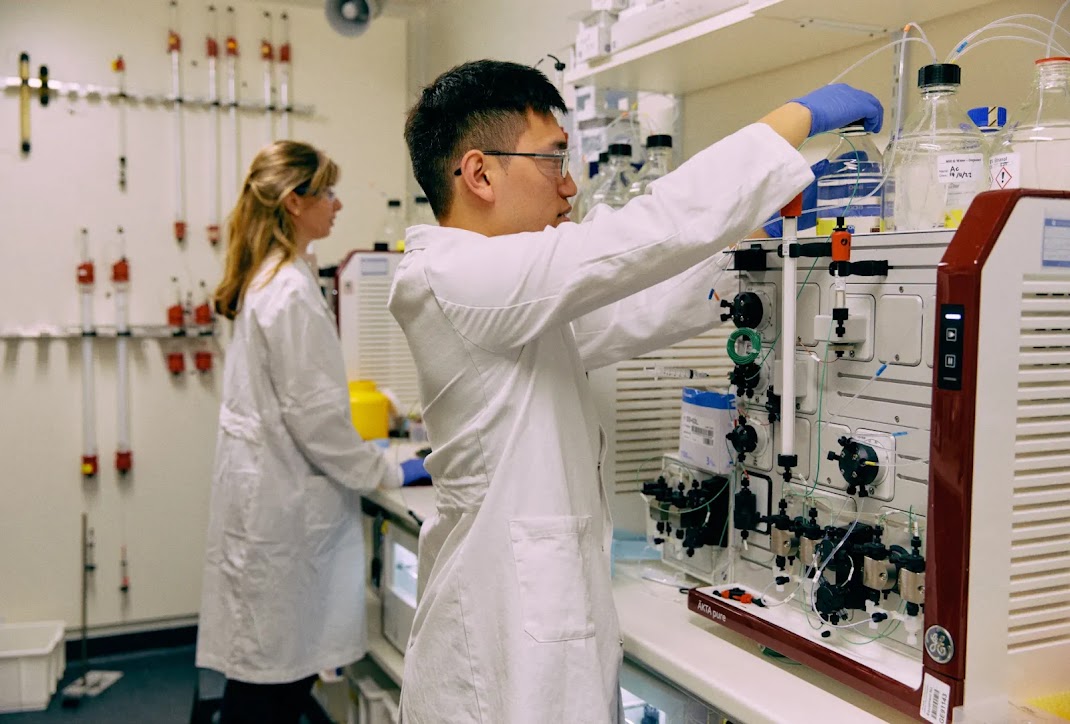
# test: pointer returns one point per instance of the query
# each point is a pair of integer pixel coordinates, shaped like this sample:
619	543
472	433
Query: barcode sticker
935	700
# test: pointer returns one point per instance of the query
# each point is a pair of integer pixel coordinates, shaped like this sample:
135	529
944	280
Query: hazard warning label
1005	169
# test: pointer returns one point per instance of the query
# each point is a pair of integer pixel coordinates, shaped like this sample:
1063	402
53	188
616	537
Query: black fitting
811	250
752	259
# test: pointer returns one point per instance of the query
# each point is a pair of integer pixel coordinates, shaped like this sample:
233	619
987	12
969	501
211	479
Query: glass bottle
596	173
1033	151
392	232
658	163
850	188
614	190
937	164
991	120
421	212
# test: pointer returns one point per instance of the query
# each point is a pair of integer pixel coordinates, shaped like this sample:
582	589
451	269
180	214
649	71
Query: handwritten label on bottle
952	168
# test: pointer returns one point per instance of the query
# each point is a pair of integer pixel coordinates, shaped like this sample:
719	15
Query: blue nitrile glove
775	228
413	472
837	105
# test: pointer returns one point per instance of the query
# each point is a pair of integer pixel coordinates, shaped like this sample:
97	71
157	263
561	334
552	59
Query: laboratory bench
665	642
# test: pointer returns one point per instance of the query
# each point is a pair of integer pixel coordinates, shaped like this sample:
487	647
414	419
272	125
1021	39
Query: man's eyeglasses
561	156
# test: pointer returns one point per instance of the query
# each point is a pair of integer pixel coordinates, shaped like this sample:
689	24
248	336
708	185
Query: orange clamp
793	209
841	245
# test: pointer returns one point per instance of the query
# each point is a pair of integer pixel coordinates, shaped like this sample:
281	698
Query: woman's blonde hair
260	223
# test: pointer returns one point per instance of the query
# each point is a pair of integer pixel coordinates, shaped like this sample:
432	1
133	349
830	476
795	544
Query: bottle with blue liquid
851	186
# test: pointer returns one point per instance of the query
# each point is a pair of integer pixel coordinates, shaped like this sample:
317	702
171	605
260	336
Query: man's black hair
482	104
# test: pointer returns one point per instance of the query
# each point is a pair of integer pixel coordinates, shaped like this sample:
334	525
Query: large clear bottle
1034	149
392	232
658	163
938	163
422	213
851	186
615	190
596	174
991	120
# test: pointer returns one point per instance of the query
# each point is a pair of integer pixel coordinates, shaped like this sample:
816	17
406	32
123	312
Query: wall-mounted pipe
267	54
174	48
212	51
85	294
120	277
284	77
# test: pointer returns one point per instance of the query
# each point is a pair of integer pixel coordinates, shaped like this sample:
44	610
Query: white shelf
761	36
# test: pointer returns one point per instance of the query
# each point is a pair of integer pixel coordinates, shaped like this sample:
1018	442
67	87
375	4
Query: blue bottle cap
988	118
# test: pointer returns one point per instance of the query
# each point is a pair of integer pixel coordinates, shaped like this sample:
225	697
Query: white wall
358	88
523	32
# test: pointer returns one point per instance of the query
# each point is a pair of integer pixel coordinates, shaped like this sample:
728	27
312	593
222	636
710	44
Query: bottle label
1006	171
961	168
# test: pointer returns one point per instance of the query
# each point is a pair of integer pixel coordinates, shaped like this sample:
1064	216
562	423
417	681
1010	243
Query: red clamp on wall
124	461
85	273
89	465
176	363
120	271
202	361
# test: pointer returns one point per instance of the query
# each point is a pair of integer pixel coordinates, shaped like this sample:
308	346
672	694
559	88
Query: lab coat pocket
326	506
552	557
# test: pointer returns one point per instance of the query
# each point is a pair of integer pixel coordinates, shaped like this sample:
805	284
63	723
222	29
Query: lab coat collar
423	235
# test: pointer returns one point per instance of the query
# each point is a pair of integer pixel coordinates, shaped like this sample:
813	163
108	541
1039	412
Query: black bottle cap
394	203
422	200
620	149
939	74
380	246
661	140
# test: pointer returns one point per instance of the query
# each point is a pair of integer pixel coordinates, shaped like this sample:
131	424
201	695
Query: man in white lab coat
506	306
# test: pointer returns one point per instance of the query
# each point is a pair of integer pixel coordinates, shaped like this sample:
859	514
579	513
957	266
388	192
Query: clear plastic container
850	186
938	164
392	232
422	213
658	163
615	190
1034	149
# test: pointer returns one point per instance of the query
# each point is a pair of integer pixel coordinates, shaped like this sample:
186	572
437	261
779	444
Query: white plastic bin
32	660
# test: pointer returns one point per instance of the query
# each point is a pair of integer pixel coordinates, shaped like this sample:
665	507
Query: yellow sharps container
370	410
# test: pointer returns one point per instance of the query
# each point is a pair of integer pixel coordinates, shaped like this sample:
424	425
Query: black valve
772	404
744	438
858	465
745	379
840	315
745	516
745	310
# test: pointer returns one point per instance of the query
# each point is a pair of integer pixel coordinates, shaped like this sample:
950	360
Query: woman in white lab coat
283	581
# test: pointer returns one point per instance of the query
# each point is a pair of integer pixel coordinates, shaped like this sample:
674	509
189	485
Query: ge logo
939	644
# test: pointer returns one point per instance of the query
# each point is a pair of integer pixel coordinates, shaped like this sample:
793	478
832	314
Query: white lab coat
283	594
516	622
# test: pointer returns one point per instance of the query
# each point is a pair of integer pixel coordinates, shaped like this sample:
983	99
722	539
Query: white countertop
713	663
